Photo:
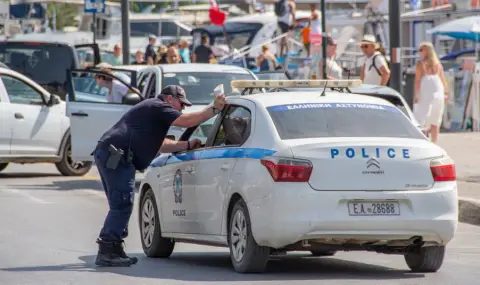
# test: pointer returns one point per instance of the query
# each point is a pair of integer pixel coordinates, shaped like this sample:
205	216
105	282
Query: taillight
443	169
288	170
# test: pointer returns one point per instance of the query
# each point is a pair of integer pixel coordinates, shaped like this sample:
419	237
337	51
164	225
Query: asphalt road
49	224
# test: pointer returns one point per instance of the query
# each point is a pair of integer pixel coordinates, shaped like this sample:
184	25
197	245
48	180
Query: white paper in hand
218	90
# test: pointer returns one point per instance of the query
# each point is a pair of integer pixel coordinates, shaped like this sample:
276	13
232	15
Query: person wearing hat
150	55
375	70
334	71
131	144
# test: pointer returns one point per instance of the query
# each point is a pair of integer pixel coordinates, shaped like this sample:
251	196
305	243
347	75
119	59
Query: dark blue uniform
141	132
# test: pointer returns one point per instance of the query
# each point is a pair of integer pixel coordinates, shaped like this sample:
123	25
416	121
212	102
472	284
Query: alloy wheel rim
238	236
148	222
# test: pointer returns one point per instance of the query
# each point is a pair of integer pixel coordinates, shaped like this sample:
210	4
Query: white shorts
429	112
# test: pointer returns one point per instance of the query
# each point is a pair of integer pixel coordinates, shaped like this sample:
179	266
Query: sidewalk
464	148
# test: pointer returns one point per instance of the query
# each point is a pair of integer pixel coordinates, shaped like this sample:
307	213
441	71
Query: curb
469	211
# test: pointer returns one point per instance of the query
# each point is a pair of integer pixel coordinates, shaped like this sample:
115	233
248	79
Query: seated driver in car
116	90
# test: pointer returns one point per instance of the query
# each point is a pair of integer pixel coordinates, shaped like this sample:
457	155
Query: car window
199	85
171	29
203	131
19	92
235	127
301	121
88	89
46	64
142	80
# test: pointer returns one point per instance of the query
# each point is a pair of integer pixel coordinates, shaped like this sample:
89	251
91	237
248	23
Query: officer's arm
193	119
170	146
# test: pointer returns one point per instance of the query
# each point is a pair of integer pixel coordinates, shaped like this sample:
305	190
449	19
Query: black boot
121	252
108	255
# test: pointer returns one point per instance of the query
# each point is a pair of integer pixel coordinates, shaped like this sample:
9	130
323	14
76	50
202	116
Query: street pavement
49	224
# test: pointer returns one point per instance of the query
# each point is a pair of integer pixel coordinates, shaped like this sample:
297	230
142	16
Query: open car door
88	54
88	108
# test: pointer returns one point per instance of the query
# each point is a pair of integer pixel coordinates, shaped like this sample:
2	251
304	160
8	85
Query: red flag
217	17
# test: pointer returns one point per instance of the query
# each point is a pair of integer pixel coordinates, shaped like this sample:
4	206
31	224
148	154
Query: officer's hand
219	102
195	143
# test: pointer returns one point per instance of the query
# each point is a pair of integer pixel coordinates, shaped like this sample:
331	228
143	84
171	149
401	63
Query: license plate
374	208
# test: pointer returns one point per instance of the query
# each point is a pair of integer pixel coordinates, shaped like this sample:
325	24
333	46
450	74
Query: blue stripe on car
227	152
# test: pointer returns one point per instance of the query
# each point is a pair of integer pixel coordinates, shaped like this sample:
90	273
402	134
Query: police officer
131	144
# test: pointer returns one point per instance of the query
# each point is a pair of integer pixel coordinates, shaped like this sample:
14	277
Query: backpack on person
281	8
381	49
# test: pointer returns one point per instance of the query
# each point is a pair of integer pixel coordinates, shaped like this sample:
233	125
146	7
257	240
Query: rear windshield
199	86
46	64
301	121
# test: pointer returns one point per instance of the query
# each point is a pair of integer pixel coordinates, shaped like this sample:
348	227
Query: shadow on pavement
65	185
208	266
28	175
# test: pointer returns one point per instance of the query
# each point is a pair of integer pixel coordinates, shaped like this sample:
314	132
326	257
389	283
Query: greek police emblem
177	186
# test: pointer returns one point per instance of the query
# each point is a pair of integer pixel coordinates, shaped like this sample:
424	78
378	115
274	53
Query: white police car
303	172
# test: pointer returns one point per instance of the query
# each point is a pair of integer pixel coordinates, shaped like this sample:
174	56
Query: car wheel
3	166
68	167
154	245
246	255
426	259
323	252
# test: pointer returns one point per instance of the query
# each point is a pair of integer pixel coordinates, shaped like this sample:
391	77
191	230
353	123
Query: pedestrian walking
131	144
184	51
203	53
139	58
150	55
173	56
115	58
430	90
334	70
162	54
375	70
285	11
306	38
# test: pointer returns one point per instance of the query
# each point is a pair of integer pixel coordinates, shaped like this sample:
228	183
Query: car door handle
226	166
80	114
19	116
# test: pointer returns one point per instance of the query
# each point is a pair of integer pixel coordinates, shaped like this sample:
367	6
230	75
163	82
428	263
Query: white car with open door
91	115
300	171
33	126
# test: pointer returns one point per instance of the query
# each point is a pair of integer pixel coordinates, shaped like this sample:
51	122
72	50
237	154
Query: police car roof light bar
355	83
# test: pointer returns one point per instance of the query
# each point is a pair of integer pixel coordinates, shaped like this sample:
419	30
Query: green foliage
65	14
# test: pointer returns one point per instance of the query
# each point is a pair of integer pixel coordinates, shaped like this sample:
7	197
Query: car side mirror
170	137
54	100
131	99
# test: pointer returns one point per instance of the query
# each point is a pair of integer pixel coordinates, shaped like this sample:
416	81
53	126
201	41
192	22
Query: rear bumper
294	212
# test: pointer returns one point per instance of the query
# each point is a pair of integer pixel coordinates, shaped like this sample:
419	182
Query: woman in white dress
430	90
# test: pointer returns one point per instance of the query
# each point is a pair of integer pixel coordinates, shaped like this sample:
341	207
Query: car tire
248	257
323	252
153	244
68	167
426	259
3	166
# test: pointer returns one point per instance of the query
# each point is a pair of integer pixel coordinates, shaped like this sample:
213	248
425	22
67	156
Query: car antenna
326	83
